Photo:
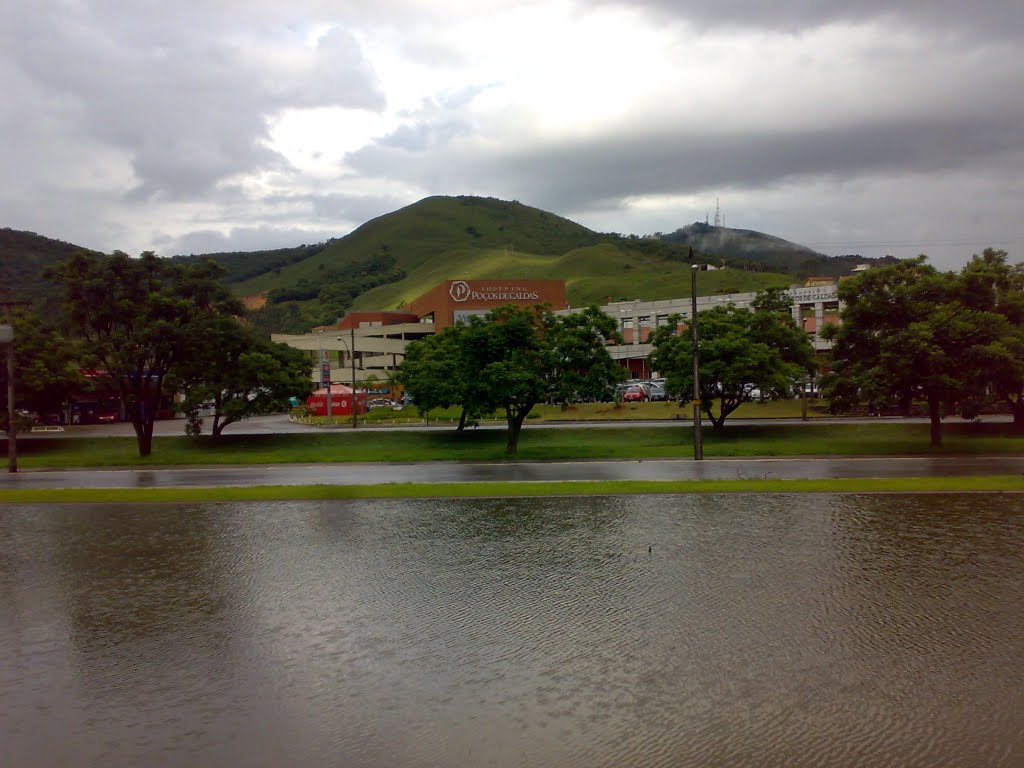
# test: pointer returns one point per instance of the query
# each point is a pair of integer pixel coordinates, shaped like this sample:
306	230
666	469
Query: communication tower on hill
718	213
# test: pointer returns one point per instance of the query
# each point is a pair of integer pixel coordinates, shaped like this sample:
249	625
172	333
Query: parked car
657	393
634	394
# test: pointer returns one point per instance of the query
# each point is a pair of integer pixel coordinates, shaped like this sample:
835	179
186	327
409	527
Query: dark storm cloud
946	18
189	109
575	175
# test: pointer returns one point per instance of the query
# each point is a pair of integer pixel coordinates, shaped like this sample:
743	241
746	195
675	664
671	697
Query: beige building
376	341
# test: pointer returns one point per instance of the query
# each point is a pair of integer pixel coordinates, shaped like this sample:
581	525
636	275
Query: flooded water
873	630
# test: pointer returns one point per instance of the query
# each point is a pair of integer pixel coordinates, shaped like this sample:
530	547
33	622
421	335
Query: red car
634	394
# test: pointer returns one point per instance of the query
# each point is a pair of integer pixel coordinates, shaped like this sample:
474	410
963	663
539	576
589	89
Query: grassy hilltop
441	238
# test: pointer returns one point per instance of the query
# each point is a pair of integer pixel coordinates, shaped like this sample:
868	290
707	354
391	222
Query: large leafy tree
138	319
435	373
740	351
579	372
511	360
238	373
910	331
46	365
990	283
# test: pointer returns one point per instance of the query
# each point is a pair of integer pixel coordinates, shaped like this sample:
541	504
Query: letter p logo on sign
459	290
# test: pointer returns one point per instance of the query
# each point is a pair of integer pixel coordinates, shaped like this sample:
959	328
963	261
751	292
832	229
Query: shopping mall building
371	345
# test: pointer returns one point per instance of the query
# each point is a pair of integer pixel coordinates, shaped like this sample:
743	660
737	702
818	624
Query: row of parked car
637	391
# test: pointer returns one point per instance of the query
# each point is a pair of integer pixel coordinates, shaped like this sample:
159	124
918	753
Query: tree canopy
47	366
990	283
910	331
511	360
138	319
237	373
740	351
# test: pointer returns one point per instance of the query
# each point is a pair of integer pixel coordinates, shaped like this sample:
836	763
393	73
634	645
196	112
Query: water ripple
624	631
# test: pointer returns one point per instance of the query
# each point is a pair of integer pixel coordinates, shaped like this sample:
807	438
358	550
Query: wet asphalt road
445	472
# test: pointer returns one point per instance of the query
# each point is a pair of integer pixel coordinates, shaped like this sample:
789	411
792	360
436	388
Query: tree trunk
717	424
144	435
515	419
935	417
462	420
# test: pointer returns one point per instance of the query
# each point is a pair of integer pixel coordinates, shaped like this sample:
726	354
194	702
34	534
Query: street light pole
7	335
698	441
351	345
325	362
352	354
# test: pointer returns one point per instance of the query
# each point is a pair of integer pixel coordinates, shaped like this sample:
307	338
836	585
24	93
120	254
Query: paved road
441	472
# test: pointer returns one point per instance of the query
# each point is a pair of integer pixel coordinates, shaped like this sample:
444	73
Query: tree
139	319
908	331
740	351
991	284
512	359
238	373
579	372
435	373
47	367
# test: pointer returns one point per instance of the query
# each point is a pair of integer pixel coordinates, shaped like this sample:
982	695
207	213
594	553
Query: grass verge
566	443
995	483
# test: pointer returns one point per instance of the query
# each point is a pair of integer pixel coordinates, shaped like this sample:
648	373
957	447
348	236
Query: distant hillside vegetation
24	257
410	250
394	258
747	248
245	265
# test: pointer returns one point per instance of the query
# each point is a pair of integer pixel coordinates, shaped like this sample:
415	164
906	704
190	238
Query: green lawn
663	411
1013	484
488	445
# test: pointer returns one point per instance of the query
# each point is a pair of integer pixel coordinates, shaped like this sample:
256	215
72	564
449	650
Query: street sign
325	368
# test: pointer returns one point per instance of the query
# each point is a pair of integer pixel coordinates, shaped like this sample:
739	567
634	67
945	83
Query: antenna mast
718	213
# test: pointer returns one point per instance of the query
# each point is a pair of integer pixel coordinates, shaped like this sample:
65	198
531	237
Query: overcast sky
852	127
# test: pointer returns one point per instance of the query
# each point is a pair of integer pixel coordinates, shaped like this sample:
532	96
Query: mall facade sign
453	300
460	291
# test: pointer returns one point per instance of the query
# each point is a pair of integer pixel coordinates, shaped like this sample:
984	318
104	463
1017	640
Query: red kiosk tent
341	401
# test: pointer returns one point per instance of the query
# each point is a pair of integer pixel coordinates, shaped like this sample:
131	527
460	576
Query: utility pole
325	376
698	441
352	354
7	337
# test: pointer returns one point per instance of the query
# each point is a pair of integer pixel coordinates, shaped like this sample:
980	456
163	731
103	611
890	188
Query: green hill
760	251
24	258
402	254
394	258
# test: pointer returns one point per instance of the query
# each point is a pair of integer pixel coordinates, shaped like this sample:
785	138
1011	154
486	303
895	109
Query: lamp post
698	442
325	375
7	337
352	356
